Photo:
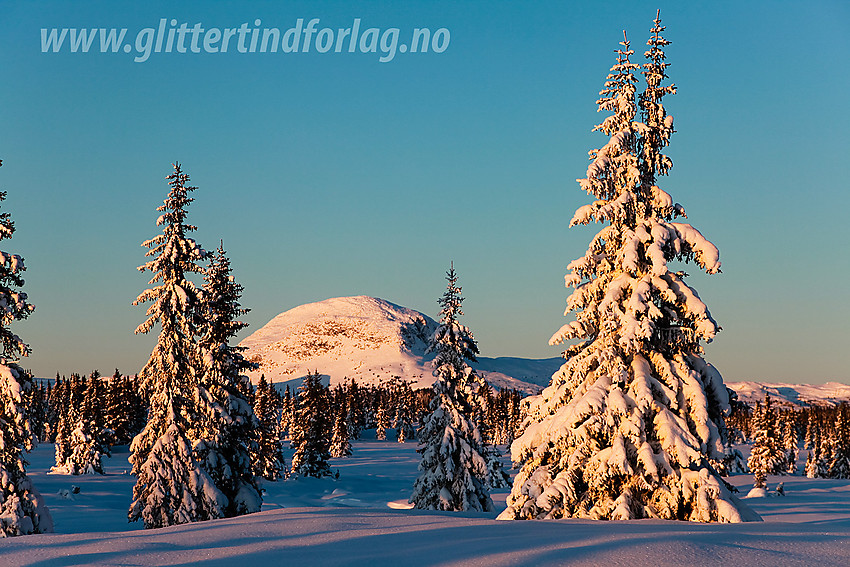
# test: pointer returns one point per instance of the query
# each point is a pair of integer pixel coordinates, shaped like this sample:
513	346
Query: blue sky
334	174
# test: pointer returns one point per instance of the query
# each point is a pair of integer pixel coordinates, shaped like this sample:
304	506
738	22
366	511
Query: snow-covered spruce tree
285	412
171	486
52	410
453	471
631	424
790	441
404	413
812	470
382	420
225	430
22	509
37	402
61	399
768	453
267	458
138	403
733	461
824	459
759	461
497	477
812	437
310	435
485	412
356	416
839	463
340	440
88	445
117	409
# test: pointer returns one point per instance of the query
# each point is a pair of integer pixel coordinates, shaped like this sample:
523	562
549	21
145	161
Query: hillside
370	340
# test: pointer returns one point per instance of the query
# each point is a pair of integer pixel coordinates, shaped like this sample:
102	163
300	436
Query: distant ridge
373	340
793	395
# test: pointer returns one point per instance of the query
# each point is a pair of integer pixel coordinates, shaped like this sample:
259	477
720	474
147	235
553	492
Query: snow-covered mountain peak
365	338
369	340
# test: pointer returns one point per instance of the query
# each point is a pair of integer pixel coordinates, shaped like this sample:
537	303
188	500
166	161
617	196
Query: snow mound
792	395
757	493
369	340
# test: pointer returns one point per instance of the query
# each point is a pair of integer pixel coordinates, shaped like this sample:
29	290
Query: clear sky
331	174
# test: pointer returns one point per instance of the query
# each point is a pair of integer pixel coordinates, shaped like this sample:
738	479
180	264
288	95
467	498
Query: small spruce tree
267	459
768	454
812	469
404	413
790	442
310	435
88	444
117	410
382	421
340	441
453	471
61	399
839	463
356	416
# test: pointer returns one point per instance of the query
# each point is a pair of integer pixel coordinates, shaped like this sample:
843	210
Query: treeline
777	434
320	422
84	416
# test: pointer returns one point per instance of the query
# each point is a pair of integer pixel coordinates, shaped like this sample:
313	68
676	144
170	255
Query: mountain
370	340
792	395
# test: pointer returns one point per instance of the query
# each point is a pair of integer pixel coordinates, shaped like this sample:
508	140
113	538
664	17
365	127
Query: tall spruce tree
171	486
631	424
225	431
22	509
453	471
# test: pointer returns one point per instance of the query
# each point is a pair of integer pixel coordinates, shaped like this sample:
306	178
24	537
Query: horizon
335	174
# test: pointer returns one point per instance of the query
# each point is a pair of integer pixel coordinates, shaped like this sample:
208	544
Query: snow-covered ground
359	519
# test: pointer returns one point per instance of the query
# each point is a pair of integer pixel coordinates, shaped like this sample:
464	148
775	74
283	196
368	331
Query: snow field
349	521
